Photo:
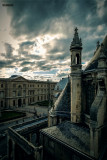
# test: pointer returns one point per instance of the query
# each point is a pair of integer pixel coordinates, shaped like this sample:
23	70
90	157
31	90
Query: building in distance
17	91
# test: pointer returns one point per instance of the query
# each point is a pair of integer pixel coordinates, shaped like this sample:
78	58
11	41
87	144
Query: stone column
76	97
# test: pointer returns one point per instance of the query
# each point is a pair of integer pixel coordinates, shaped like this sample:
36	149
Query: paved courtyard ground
41	110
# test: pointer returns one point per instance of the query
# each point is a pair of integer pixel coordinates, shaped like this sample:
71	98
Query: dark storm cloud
27	43
40	17
33	18
46	67
34	57
24	63
40	63
9	50
43	65
2	64
25	46
25	49
6	64
62	75
25	69
58	50
59	57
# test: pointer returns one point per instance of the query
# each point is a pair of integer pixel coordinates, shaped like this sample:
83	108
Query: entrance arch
19	102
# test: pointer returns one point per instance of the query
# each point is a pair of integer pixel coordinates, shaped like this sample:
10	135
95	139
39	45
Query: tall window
14	93
24	93
1	103
23	101
14	85
90	96
19	90
1	94
24	86
13	102
77	58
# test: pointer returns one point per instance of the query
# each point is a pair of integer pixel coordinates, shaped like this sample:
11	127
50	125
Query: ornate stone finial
76	29
98	44
102	46
80	41
76	40
102	52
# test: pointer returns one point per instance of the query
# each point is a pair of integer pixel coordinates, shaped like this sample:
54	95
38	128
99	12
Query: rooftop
74	135
93	64
61	84
62	104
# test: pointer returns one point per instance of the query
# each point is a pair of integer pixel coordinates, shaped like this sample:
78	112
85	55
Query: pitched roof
61	84
74	135
62	104
93	64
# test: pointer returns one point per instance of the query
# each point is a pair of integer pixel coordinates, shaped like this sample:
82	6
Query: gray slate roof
62	104
74	135
61	84
93	64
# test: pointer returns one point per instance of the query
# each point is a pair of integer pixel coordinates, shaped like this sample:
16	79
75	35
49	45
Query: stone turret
75	48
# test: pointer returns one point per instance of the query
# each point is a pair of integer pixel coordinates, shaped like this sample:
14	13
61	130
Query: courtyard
9	115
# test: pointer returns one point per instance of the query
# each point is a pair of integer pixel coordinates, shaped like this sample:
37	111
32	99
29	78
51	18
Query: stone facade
85	99
77	123
76	76
17	91
23	140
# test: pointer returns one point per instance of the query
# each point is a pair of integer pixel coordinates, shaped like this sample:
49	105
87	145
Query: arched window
77	58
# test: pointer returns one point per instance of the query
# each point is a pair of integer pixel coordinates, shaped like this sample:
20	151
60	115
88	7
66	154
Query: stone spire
102	58
98	45
102	51
76	43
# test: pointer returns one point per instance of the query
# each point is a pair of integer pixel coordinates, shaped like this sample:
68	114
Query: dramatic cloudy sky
35	35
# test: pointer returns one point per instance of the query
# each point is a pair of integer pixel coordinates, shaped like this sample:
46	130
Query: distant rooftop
14	76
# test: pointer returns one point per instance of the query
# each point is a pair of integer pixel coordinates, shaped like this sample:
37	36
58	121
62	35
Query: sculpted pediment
22	79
